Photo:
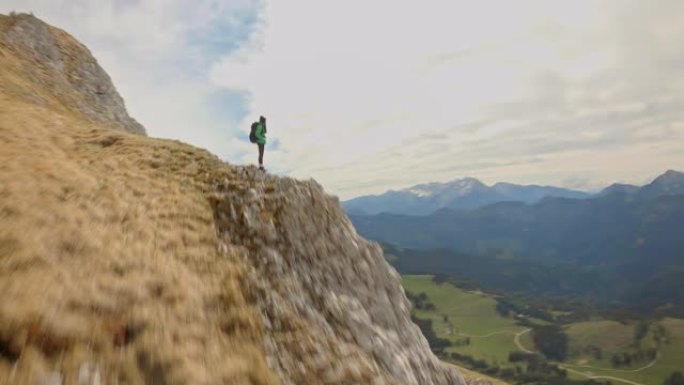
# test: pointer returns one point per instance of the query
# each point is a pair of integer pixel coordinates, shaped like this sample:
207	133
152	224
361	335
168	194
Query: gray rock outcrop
325	293
67	70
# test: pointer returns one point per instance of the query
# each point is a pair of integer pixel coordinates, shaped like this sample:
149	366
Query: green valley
619	249
482	339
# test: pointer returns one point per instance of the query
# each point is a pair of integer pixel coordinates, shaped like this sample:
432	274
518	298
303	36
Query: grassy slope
673	352
611	336
86	231
617	337
471	314
108	251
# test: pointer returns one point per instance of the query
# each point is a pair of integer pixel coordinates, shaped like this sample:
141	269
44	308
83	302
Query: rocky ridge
62	71
133	260
325	292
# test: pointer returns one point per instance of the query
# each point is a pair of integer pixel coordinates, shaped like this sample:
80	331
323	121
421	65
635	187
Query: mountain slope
619	188
465	194
534	193
669	183
126	259
628	236
507	275
44	65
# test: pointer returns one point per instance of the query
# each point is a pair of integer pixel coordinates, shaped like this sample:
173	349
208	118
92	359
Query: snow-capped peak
419	192
459	187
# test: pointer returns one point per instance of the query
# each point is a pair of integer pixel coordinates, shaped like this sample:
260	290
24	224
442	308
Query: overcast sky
366	96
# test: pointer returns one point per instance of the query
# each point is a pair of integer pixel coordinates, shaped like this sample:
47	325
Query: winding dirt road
486	335
621	370
517	341
568	367
592	377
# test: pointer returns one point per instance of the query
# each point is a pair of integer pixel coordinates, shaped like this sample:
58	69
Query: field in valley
460	315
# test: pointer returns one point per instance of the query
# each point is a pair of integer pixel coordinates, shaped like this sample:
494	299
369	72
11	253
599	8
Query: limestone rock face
63	67
325	293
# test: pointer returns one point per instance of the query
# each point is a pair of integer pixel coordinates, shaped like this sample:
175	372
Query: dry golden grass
109	260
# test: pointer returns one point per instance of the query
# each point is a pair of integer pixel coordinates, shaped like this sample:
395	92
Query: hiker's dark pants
261	154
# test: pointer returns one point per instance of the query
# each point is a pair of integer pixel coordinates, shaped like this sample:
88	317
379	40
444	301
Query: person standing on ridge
258	136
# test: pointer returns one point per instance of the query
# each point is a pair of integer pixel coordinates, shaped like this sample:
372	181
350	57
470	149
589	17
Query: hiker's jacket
261	133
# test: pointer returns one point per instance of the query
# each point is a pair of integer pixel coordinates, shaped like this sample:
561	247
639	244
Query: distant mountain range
466	193
622	218
629	233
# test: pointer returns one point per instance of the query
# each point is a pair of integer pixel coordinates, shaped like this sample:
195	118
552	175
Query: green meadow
468	315
460	314
616	337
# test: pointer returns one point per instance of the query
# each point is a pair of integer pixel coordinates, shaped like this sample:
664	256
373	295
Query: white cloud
370	95
351	89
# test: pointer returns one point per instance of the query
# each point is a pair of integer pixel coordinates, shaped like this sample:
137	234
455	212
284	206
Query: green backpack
252	132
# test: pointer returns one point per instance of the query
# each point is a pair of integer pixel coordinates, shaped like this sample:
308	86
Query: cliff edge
133	260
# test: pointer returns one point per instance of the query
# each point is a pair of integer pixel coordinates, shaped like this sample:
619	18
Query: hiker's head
262	119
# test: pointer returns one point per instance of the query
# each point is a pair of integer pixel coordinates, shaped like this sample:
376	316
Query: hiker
258	135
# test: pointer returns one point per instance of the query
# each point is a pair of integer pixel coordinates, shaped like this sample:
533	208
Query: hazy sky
366	96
